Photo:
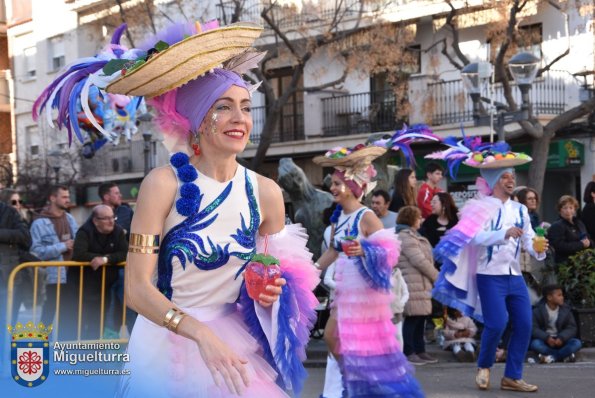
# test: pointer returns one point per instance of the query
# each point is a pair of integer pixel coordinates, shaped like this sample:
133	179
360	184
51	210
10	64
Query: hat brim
186	60
364	155
498	164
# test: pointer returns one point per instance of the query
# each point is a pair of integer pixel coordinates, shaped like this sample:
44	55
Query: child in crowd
554	328
401	296
459	332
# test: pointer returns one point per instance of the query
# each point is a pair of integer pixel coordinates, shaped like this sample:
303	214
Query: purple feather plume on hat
176	33
66	91
402	140
118	34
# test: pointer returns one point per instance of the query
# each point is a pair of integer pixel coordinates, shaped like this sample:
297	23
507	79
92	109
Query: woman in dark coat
568	235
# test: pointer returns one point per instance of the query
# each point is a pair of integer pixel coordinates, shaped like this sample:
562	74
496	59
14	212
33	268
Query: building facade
312	122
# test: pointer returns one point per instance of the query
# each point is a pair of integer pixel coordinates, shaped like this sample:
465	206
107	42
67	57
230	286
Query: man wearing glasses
103	243
110	195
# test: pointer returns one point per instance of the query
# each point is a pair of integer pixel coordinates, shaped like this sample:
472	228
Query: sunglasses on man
14	202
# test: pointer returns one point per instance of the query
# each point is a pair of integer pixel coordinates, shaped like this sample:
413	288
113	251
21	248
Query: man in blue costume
500	284
481	274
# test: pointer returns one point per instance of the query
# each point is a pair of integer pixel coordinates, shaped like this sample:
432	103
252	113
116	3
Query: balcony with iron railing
289	16
434	103
451	104
359	113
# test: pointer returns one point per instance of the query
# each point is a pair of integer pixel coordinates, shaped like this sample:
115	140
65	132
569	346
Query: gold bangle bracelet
144	240
169	315
144	250
175	322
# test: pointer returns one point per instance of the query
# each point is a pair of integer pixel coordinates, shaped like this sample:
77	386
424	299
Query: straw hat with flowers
169	66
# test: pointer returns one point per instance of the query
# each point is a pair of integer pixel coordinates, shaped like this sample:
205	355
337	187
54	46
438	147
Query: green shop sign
562	154
129	191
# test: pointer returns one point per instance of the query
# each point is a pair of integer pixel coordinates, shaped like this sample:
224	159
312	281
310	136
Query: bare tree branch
499	69
123	18
181	9
150	15
565	118
551	63
269	20
566	31
327	85
455	34
448	56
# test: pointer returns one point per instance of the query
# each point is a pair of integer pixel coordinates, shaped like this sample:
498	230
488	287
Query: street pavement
457	380
452	379
446	379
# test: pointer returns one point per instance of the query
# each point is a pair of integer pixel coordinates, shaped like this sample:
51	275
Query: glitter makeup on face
214	118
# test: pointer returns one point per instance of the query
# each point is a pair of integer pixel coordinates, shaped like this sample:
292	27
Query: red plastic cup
258	276
347	243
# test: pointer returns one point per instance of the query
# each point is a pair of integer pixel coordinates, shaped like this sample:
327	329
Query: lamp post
586	91
54	161
523	68
144	120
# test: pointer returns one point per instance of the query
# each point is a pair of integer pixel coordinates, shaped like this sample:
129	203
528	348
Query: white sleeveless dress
199	267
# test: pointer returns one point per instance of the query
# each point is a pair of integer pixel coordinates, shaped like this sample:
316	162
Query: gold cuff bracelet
144	240
144	250
175	322
169	315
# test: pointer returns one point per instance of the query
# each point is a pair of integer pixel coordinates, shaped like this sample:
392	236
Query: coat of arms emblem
30	353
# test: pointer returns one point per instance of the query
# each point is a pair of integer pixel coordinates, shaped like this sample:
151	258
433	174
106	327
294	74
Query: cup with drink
347	242
539	241
262	271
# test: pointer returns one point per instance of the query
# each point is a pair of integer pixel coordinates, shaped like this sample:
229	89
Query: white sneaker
456	348
546	359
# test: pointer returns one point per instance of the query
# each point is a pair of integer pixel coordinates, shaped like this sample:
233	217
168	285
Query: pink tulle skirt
373	364
163	364
363	314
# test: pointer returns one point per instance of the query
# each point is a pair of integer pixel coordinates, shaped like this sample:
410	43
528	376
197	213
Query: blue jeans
570	347
503	297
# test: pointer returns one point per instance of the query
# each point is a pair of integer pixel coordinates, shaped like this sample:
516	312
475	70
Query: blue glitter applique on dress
246	236
183	241
353	231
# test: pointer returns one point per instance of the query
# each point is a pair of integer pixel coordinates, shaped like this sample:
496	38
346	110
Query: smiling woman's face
228	123
339	190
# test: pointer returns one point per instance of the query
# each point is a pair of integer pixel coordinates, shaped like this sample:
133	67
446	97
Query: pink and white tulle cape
456	286
284	330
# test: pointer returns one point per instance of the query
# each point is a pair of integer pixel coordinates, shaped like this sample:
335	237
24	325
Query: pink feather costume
372	362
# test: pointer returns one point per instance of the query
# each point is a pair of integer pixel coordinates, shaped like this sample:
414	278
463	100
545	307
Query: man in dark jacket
110	195
554	328
14	235
102	243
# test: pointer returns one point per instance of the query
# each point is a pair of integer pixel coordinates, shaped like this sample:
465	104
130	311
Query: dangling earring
196	149
195	146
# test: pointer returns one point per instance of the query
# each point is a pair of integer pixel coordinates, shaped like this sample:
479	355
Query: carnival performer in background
480	274
199	222
359	332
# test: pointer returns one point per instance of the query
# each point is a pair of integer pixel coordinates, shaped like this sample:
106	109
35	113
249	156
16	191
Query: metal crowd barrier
56	326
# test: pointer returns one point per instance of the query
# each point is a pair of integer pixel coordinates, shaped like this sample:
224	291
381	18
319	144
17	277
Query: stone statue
308	202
